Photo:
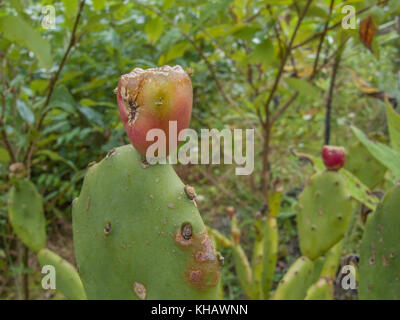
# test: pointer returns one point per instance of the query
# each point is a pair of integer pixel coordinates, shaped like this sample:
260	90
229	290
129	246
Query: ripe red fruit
334	157
150	99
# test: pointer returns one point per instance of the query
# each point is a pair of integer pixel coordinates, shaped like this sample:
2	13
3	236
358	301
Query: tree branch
317	35
284	59
53	82
335	69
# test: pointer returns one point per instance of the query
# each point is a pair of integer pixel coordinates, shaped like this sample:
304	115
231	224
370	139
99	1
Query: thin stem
53	82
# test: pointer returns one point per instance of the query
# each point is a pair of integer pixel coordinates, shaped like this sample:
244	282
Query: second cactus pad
139	235
324	212
380	254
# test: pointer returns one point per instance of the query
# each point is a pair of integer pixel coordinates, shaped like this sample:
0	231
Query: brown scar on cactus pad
203	265
140	290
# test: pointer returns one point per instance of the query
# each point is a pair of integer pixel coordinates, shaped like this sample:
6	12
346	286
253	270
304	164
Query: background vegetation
286	68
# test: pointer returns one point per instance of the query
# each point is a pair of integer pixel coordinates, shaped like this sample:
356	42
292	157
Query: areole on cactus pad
150	99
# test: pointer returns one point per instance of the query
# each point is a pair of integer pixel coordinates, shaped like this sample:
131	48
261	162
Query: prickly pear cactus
364	166
299	277
325	210
67	279
25	210
321	290
380	255
139	235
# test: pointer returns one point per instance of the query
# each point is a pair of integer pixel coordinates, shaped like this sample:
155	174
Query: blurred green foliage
235	49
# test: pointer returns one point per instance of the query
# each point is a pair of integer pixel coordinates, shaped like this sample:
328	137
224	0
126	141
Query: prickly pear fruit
364	166
137	234
25	210
150	99
325	209
299	277
67	279
334	157
321	290
379	275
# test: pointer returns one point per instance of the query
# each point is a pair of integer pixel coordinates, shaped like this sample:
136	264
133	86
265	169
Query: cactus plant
299	277
325	209
321	290
67	279
380	256
25	209
146	229
364	166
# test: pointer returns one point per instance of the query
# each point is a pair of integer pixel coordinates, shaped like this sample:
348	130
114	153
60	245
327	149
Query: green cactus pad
364	166
380	254
25	210
243	269
270	254
137	235
67	279
299	277
321	290
324	213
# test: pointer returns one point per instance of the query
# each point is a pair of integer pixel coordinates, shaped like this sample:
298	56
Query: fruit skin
67	279
25	211
334	157
379	267
324	213
128	241
299	277
150	99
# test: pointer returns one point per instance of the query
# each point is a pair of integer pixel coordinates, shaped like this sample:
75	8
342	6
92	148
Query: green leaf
262	53
71	7
359	191
99	4
385	155
175	52
4	156
92	115
17	30
54	156
94	83
302	86
62	98
393	119
25	112
154	29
